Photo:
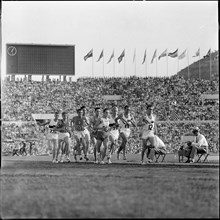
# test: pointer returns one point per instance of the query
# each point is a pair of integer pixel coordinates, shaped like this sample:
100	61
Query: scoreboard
38	59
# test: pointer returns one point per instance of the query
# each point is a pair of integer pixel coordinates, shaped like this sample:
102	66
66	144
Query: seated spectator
199	146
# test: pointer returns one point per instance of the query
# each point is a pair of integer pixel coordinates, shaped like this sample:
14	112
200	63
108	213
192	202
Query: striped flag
134	57
111	57
174	54
197	53
101	55
121	56
89	54
144	56
163	54
154	56
173	116
182	55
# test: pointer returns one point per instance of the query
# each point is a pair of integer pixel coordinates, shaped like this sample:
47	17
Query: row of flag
163	54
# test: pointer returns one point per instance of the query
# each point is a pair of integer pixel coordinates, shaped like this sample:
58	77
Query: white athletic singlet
124	127
114	131
51	134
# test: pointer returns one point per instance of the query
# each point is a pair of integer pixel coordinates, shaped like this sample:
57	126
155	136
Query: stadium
109	109
34	187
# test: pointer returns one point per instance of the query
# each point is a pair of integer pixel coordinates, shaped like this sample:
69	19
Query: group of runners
102	130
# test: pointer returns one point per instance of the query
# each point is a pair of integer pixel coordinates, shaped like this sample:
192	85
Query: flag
182	55
163	54
197	53
174	54
216	57
111	57
208	54
134	55
101	55
89	54
173	116
155	54
121	56
144	57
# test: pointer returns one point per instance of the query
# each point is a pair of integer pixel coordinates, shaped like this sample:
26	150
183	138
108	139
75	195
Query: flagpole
188	62
135	62
156	66
124	64
103	66
167	65
92	65
210	66
146	66
114	64
199	68
177	64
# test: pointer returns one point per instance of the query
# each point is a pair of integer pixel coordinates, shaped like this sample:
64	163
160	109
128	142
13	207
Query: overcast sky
115	25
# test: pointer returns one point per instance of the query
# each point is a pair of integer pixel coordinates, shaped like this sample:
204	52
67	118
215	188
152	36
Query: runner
78	125
150	141
102	126
126	120
114	132
52	136
86	136
93	132
64	134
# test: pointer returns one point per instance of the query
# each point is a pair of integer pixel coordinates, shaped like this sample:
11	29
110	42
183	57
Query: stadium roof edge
37	44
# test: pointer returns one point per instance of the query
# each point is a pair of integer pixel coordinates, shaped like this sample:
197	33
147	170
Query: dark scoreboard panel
40	59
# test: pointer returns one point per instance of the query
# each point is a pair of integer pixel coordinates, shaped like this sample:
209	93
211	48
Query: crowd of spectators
22	98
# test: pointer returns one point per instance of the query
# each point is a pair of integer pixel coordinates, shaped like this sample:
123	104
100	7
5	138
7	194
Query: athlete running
126	121
102	126
114	132
52	136
64	134
78	125
93	132
150	141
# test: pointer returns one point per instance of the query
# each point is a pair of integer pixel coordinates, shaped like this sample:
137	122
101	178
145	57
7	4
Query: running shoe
192	161
150	161
102	162
85	157
143	163
109	161
61	159
96	161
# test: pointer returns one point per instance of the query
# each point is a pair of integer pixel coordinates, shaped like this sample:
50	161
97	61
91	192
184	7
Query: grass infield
33	187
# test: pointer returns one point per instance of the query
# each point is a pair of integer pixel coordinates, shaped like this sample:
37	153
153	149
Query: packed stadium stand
178	104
